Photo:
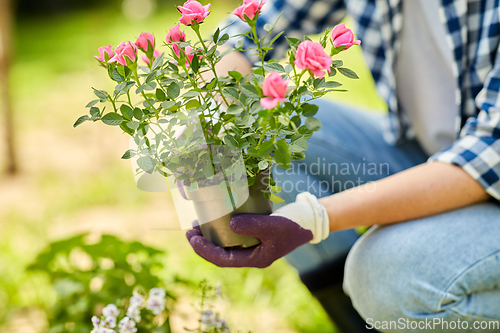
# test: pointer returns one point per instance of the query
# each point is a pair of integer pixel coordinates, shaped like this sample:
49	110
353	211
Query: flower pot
207	203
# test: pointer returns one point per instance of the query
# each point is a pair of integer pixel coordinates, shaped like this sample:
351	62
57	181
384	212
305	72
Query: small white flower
212	320
95	321
127	325
134	312
207	317
98	326
109	322
111	310
156	305
136	299
156	300
157	292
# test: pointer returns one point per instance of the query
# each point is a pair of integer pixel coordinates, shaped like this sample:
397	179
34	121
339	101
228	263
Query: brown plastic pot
207	202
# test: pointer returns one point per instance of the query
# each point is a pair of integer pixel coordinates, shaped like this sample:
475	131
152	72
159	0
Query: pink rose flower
193	11
274	88
125	49
106	53
144	41
311	56
175	35
342	36
250	8
145	58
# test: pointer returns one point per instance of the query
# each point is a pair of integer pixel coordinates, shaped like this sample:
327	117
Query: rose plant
267	115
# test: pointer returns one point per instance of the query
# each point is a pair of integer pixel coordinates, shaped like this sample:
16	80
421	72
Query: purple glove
279	236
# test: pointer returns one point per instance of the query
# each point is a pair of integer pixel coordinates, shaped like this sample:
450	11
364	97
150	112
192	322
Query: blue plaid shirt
473	34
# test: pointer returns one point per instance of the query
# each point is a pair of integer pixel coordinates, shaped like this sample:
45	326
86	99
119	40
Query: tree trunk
6	14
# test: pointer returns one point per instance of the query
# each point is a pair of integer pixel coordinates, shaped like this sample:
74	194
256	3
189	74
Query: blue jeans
446	266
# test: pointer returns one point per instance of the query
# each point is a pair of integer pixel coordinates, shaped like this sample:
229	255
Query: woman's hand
278	233
278	236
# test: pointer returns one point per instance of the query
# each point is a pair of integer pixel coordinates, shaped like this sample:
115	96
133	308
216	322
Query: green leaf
333	72
127	111
193	104
81	120
173	91
215	37
101	94
348	73
298	156
95	112
249	90
309	110
263	165
276	189
160	95
138	113
211	51
208	170
236	75
313	124
133	125
266	149
146	163
282	154
283	120
124	126
224	38
299	146
229	140
234	109
274	67
92	103
117	76
112	119
195	64
167	104
190	94
128	154
337	63
332	84
293	42
231	93
275	199
158	62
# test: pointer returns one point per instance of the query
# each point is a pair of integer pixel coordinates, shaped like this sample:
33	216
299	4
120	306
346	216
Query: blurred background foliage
73	181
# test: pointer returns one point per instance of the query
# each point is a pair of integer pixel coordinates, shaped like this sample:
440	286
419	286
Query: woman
436	65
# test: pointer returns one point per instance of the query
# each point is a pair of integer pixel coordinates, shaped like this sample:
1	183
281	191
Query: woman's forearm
423	190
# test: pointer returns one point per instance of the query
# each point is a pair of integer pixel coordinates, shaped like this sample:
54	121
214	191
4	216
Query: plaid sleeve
299	18
477	150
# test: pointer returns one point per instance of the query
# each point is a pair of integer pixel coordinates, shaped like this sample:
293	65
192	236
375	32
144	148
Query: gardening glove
289	227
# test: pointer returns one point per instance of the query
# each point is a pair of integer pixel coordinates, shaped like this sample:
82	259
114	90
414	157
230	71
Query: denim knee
390	277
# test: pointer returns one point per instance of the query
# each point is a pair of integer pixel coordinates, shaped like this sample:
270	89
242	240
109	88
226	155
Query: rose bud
193	11
343	37
311	56
106	53
123	50
274	88
146	42
175	35
249	8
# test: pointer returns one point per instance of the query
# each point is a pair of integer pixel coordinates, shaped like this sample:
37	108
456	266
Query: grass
73	180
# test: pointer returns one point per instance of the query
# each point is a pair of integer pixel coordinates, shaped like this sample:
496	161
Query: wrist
333	206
